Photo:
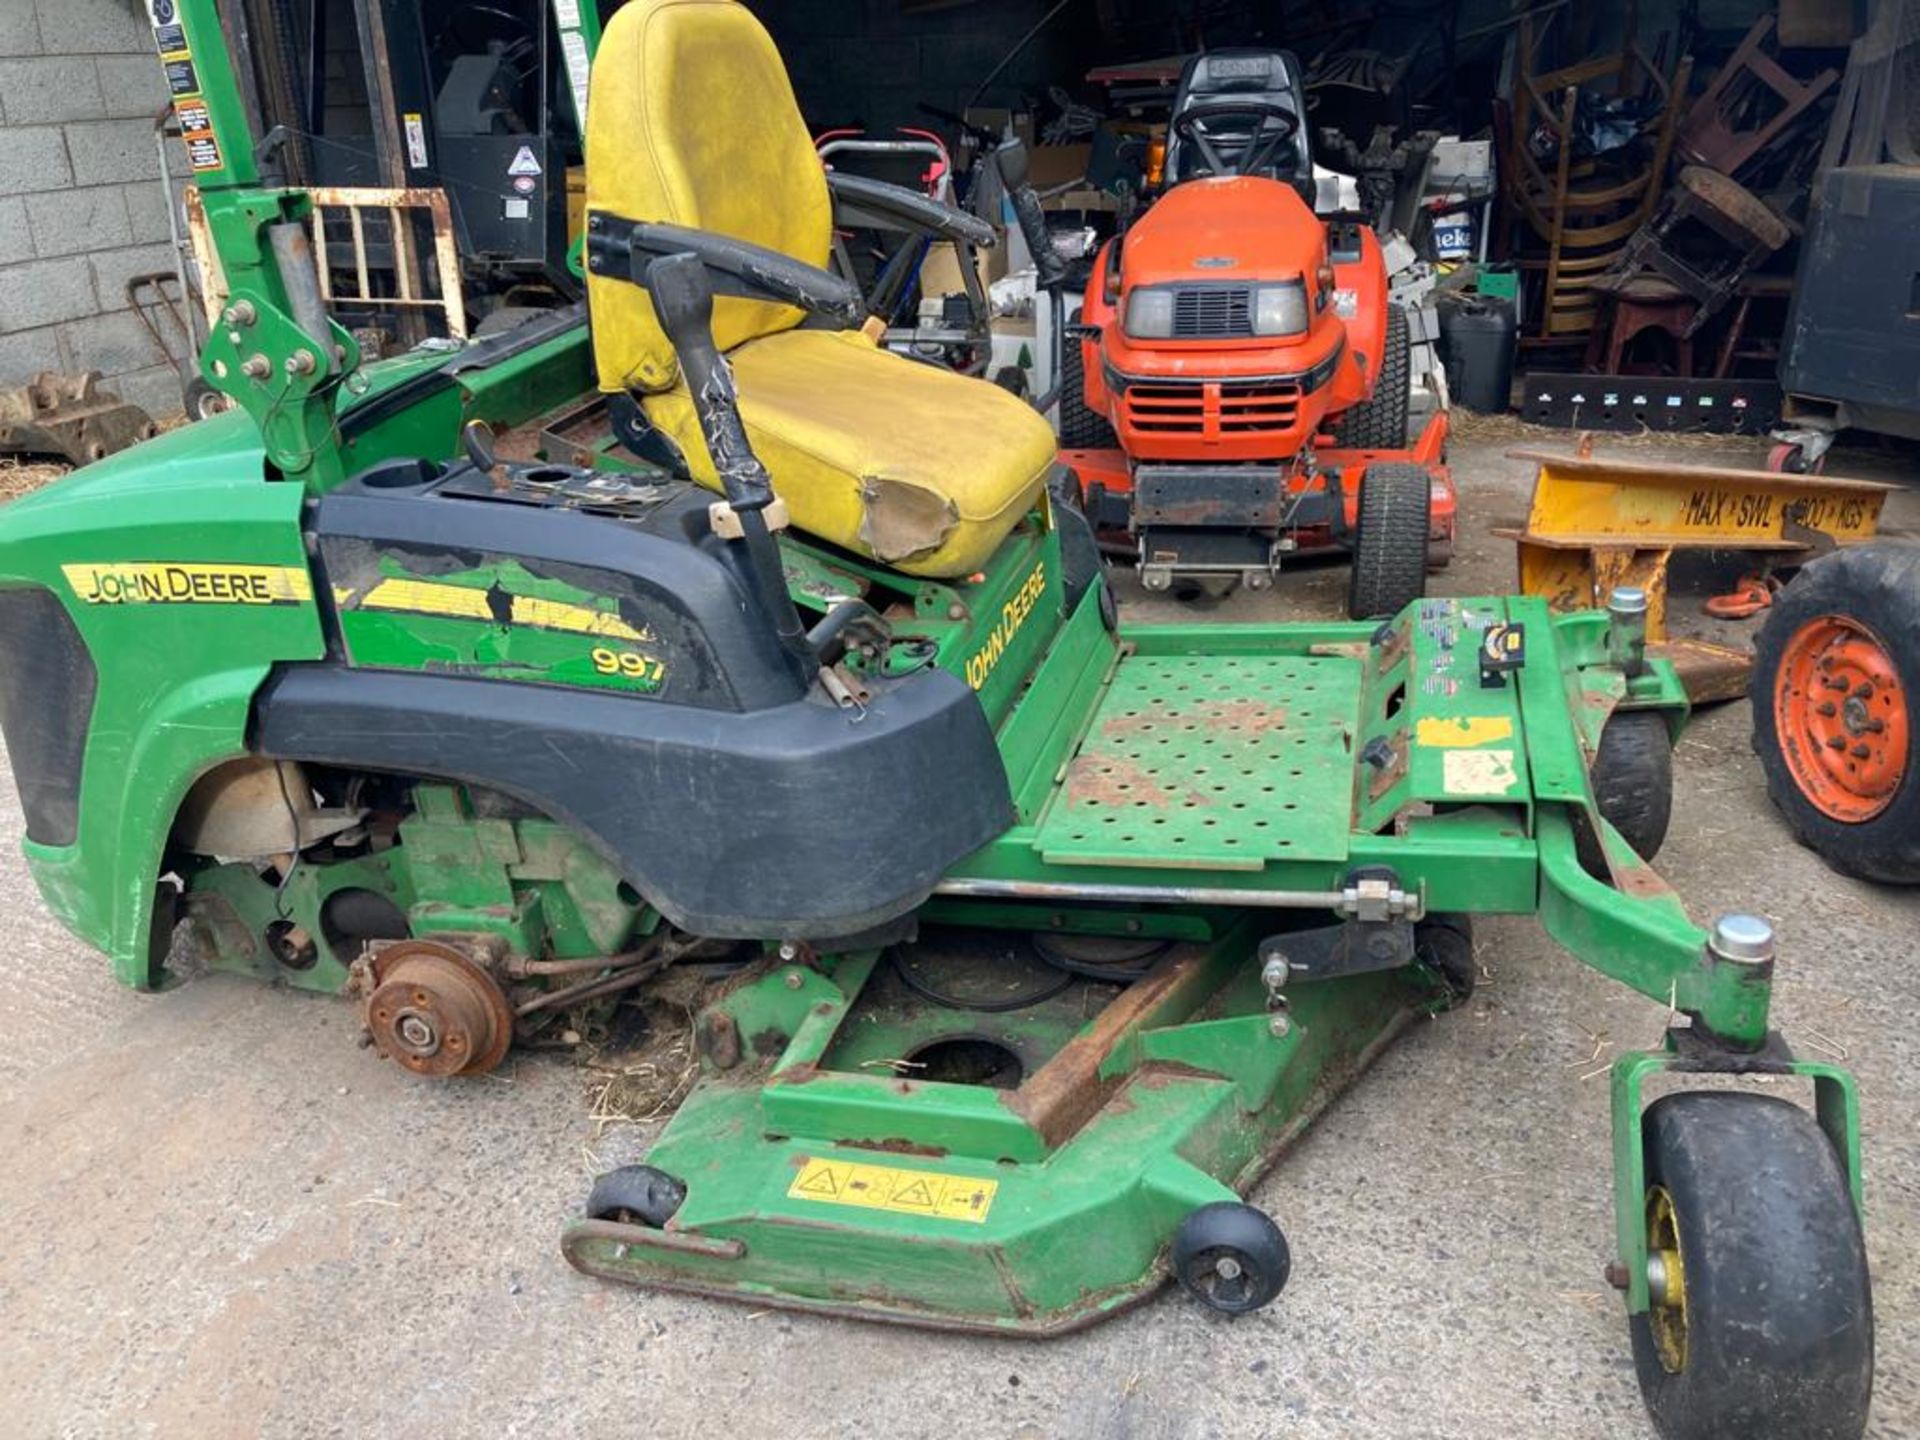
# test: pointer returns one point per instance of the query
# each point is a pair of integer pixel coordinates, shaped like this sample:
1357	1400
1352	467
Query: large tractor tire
1836	709
1380	421
1080	428
1390	541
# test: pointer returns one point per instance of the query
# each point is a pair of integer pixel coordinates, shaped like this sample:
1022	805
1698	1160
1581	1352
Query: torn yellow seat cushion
912	465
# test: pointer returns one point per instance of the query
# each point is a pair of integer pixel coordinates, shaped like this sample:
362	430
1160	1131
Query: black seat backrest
1272	76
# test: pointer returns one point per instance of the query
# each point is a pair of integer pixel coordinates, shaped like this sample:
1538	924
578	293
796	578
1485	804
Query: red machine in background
1240	387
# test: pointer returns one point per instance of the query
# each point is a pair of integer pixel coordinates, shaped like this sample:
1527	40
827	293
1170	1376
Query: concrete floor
224	1219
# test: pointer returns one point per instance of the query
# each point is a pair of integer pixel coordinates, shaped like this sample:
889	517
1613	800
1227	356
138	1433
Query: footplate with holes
1202	762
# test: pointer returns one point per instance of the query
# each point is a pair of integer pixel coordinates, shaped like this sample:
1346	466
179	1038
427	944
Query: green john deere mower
1024	942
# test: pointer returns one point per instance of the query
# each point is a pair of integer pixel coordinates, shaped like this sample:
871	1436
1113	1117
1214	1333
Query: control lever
683	299
1012	162
476	438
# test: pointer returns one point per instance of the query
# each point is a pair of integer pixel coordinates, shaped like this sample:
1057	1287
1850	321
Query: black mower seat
693	123
1267	76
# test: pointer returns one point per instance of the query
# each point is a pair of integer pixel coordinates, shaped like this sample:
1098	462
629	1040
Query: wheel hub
437	1011
1841	713
1667	1282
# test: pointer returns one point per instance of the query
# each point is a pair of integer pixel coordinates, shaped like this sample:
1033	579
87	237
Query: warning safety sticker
904	1192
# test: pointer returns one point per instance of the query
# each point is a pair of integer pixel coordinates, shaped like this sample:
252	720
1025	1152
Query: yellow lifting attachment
1598	523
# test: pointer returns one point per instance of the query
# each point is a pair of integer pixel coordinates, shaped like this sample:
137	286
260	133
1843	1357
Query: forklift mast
275	350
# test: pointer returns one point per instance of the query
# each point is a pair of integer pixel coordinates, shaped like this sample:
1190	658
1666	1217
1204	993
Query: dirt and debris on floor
22	476
225	1219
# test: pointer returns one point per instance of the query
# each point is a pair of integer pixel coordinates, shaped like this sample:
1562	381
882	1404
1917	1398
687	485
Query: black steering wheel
1190	127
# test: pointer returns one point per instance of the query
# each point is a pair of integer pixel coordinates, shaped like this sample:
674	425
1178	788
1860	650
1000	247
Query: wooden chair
1750	103
1582	211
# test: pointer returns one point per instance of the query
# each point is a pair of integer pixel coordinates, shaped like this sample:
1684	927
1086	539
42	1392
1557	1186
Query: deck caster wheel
1761	1325
1231	1257
1444	944
636	1195
1633	785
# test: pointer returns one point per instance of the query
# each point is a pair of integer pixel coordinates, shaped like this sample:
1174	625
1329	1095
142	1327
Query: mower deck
828	1179
938	1151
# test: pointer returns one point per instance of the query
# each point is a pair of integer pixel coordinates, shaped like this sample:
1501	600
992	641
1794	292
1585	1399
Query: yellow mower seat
693	122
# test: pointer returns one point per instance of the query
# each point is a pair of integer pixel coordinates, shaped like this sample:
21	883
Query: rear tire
1380	421
1772	1338
1390	541
1080	428
1848	623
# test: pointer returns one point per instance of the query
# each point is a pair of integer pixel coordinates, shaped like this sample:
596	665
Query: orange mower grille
1211	411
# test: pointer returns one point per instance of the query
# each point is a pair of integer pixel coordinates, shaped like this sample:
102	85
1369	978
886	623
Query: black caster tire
636	1195
1390	541
1080	428
1444	944
1773	1339
1380	421
203	402
1844	637
1231	1257
1013	380
1632	779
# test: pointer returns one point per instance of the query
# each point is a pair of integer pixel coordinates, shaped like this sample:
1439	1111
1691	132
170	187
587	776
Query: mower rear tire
1632	779
1762	1322
1836	709
1390	541
1380	421
1080	428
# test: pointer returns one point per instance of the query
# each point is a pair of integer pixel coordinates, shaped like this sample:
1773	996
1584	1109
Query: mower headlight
1280	309
1149	314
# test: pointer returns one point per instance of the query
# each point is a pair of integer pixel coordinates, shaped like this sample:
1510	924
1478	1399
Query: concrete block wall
80	202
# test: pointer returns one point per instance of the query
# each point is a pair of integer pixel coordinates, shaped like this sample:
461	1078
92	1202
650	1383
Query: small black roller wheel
1080	428
1380	421
203	402
1836	709
1231	1257
1762	1326
1444	945
1390	541
1633	783
636	1195
1013	380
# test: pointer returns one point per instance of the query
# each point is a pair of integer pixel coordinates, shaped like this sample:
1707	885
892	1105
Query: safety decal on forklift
183	83
190	584
904	1192
467	602
1440	732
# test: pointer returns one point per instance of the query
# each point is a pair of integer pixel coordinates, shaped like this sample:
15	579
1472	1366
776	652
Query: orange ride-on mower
1239	391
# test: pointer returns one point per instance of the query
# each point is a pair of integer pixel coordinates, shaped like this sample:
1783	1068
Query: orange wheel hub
1840	711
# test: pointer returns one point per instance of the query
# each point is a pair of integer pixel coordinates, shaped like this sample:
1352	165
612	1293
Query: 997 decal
641	672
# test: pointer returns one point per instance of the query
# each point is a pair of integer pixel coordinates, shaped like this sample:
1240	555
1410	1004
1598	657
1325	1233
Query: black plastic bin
1478	335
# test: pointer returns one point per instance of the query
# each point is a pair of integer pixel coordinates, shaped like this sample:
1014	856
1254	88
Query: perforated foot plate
1205	762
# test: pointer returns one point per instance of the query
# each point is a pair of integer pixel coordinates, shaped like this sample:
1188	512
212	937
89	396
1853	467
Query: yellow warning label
905	1192
1450	731
464	602
209	584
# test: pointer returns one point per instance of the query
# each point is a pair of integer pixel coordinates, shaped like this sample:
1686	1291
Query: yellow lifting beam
1595	524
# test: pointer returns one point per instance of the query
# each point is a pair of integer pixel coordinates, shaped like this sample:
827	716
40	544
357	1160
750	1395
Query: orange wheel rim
1840	711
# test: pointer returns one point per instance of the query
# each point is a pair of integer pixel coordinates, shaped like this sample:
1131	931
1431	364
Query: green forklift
696	640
